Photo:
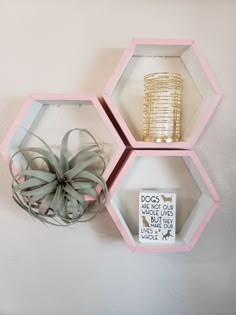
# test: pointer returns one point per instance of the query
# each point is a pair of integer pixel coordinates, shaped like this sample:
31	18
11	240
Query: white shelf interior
51	120
197	92
163	173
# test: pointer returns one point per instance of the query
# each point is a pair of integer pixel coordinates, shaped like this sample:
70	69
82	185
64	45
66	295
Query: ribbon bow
56	195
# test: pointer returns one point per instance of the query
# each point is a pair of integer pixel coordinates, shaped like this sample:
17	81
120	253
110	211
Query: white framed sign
157	217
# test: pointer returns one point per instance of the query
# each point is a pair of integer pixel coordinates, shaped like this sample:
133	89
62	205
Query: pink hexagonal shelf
178	170
51	116
124	91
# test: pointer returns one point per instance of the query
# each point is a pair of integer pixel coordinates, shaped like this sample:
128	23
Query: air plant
65	191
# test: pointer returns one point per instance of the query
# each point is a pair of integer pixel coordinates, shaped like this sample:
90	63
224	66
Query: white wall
72	46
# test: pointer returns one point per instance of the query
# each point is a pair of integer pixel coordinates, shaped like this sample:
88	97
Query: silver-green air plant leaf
67	190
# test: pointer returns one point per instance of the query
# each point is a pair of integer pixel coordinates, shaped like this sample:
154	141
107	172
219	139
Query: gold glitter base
160	139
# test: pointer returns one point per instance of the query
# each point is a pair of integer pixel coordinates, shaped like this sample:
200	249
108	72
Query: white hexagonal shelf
172	170
125	89
51	116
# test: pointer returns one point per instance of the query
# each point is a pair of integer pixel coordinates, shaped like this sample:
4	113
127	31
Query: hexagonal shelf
173	170
125	89
51	116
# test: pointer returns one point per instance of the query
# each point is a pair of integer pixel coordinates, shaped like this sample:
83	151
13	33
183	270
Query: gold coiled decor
162	107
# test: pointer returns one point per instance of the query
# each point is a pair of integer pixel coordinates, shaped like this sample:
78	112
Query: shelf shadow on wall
100	70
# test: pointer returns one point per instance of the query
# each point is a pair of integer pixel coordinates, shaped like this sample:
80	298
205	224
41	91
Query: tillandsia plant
65	190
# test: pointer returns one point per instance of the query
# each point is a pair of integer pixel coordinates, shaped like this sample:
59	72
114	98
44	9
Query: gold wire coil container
162	107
